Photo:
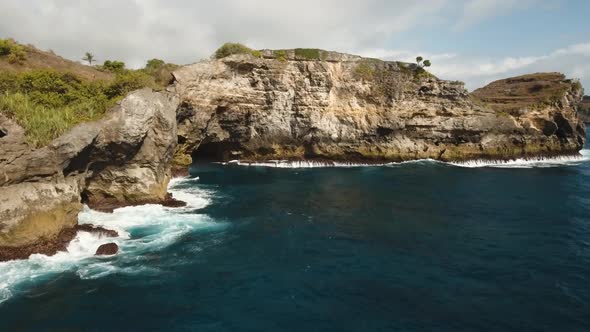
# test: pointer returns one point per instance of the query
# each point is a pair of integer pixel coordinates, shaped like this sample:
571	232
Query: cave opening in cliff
216	151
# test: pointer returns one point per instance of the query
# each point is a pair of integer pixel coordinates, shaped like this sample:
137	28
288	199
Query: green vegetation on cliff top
49	102
228	49
14	52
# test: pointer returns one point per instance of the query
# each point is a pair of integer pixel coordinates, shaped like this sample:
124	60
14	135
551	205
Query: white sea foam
299	164
515	163
530	163
159	227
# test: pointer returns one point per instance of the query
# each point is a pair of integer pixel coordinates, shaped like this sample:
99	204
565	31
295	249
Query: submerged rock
338	107
100	231
107	249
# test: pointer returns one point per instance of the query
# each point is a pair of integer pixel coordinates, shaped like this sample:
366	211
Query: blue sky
476	41
536	27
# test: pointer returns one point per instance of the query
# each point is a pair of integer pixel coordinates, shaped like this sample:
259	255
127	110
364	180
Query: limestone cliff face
132	152
122	159
347	108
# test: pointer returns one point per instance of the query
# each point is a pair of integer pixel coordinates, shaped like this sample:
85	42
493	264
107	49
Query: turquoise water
420	246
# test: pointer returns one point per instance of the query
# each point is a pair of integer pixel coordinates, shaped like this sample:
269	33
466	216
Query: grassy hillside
33	59
47	95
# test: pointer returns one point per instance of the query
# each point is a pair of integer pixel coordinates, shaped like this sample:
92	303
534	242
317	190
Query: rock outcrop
294	105
584	109
123	159
130	157
107	249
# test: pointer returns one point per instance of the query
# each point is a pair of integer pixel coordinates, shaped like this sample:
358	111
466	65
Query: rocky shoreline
123	159
53	245
335	108
109	205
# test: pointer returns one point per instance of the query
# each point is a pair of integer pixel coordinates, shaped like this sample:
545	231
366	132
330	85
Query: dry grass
523	91
37	59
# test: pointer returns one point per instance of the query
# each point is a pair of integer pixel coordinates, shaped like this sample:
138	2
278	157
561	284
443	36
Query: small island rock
107	249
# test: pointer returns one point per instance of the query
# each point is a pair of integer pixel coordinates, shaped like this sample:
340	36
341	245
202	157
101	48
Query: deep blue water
413	247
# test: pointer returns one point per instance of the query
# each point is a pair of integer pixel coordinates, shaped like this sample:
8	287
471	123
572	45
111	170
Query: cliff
120	160
318	105
266	105
584	109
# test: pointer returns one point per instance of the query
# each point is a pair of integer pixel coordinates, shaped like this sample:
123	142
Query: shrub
308	53
17	56
128	81
16	53
228	49
5	46
113	66
280	55
154	64
9	82
54	89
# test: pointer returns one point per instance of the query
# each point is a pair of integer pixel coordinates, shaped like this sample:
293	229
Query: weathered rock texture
107	249
584	109
130	157
121	160
319	105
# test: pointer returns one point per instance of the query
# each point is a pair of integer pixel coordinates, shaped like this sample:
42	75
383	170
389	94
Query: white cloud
184	31
477	11
577	49
574	61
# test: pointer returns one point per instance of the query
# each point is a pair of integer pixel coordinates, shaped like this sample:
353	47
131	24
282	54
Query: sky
475	41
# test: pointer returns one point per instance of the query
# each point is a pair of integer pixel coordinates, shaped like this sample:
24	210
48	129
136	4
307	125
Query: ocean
416	246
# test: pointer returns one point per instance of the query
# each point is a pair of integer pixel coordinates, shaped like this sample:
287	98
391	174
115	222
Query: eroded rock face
34	210
347	108
132	154
122	159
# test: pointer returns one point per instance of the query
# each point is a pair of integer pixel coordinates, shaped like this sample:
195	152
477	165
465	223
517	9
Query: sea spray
141	229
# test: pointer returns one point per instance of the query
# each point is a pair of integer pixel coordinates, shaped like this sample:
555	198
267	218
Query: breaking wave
142	229
584	156
530	163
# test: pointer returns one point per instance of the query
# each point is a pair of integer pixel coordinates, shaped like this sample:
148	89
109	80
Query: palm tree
88	57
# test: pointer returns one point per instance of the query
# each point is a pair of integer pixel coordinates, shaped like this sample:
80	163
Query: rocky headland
266	105
330	106
123	159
